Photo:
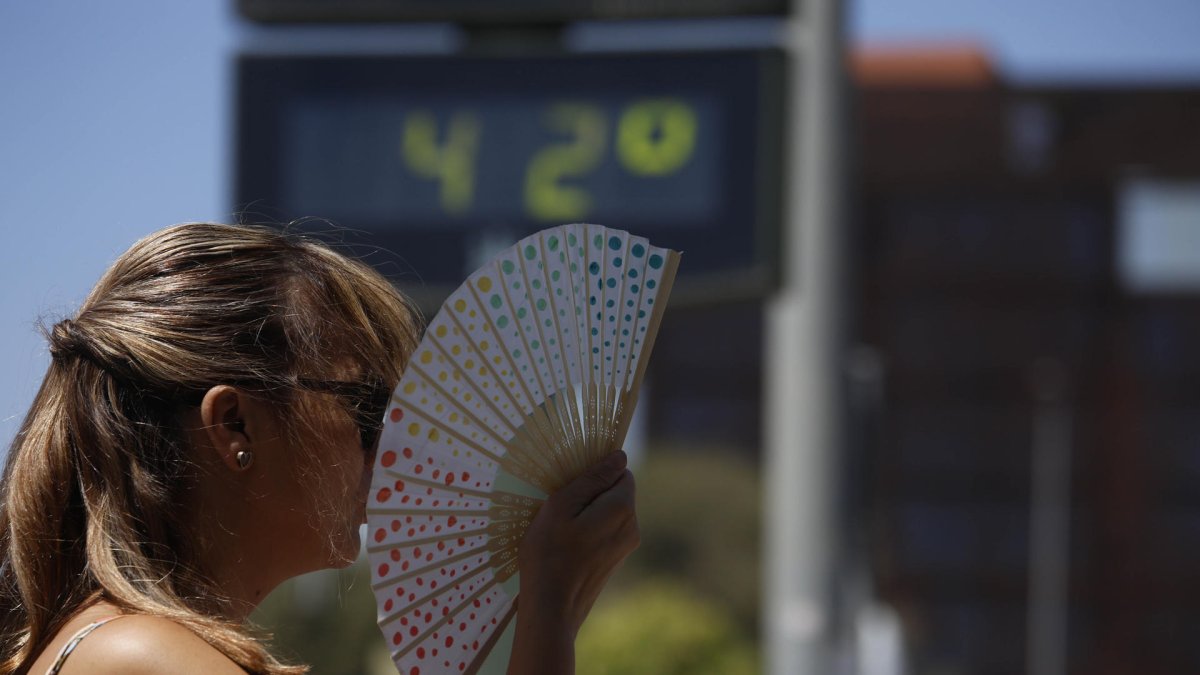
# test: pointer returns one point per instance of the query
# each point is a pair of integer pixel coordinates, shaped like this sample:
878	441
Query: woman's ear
223	414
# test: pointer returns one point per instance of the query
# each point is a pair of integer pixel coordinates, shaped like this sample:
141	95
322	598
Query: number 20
655	137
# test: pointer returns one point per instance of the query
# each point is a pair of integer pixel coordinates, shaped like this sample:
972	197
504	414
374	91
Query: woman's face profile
329	480
303	497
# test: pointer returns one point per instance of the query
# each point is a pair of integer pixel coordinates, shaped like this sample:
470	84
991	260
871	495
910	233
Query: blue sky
115	121
1051	39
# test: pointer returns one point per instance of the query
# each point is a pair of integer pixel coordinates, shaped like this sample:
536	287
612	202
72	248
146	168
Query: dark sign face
439	161
495	11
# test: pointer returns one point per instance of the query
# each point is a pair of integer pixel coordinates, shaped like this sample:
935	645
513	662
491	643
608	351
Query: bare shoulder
146	645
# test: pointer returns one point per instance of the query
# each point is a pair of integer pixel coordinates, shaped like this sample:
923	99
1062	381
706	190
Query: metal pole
802	363
1049	523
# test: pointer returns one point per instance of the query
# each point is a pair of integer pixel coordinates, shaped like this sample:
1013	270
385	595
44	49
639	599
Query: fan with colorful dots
528	374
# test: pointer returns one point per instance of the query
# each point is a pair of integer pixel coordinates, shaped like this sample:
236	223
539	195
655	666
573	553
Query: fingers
597	480
617	502
614	515
580	537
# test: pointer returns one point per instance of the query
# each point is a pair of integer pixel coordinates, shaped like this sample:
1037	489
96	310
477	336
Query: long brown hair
89	500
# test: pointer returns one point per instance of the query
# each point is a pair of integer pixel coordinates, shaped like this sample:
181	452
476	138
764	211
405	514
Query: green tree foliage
699	513
685	602
327	620
662	628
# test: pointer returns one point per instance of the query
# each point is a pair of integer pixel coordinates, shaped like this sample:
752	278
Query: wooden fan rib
633	351
625	345
470	380
604	416
460	491
590	391
565	307
537	442
630	396
584	321
504	462
482	654
529	469
390	511
563	423
432	539
545	442
537	324
579	320
437	594
576	430
522	439
461	408
492	620
564	372
498	273
529	351
431	567
602	422
618	303
540	424
445	619
475	346
538	421
626	310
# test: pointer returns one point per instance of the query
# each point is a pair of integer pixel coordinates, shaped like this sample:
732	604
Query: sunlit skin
576	542
262	524
291	511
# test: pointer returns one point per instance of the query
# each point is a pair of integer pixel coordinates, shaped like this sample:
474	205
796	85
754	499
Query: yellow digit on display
656	136
452	163
545	196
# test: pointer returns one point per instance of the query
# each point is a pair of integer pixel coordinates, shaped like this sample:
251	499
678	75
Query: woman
197	440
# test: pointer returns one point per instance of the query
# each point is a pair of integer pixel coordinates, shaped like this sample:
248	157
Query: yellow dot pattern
562	310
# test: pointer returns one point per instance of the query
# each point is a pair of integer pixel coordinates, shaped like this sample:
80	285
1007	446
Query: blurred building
1022	372
1027	456
1020	283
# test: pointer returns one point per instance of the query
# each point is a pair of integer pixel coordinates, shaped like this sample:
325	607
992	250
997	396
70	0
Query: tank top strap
74	642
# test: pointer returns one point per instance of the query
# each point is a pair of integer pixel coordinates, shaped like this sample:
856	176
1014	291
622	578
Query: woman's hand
577	540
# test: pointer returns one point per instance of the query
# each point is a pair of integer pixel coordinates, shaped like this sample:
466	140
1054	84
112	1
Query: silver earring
244	458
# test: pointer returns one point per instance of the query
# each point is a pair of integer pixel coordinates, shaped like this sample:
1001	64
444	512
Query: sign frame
269	84
490	12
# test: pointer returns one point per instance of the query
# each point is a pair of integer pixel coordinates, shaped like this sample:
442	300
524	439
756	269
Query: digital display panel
451	162
448	156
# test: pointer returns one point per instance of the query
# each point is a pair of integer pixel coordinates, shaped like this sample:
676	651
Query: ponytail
92	503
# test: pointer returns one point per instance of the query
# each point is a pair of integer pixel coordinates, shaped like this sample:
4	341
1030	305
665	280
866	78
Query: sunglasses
366	401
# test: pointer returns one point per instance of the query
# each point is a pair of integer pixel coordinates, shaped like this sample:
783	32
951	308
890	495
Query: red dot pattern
423	475
429	638
391	565
397	531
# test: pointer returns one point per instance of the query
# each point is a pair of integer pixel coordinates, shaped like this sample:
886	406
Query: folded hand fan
528	374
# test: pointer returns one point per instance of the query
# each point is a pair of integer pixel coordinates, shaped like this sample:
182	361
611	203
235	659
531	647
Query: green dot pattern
531	314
